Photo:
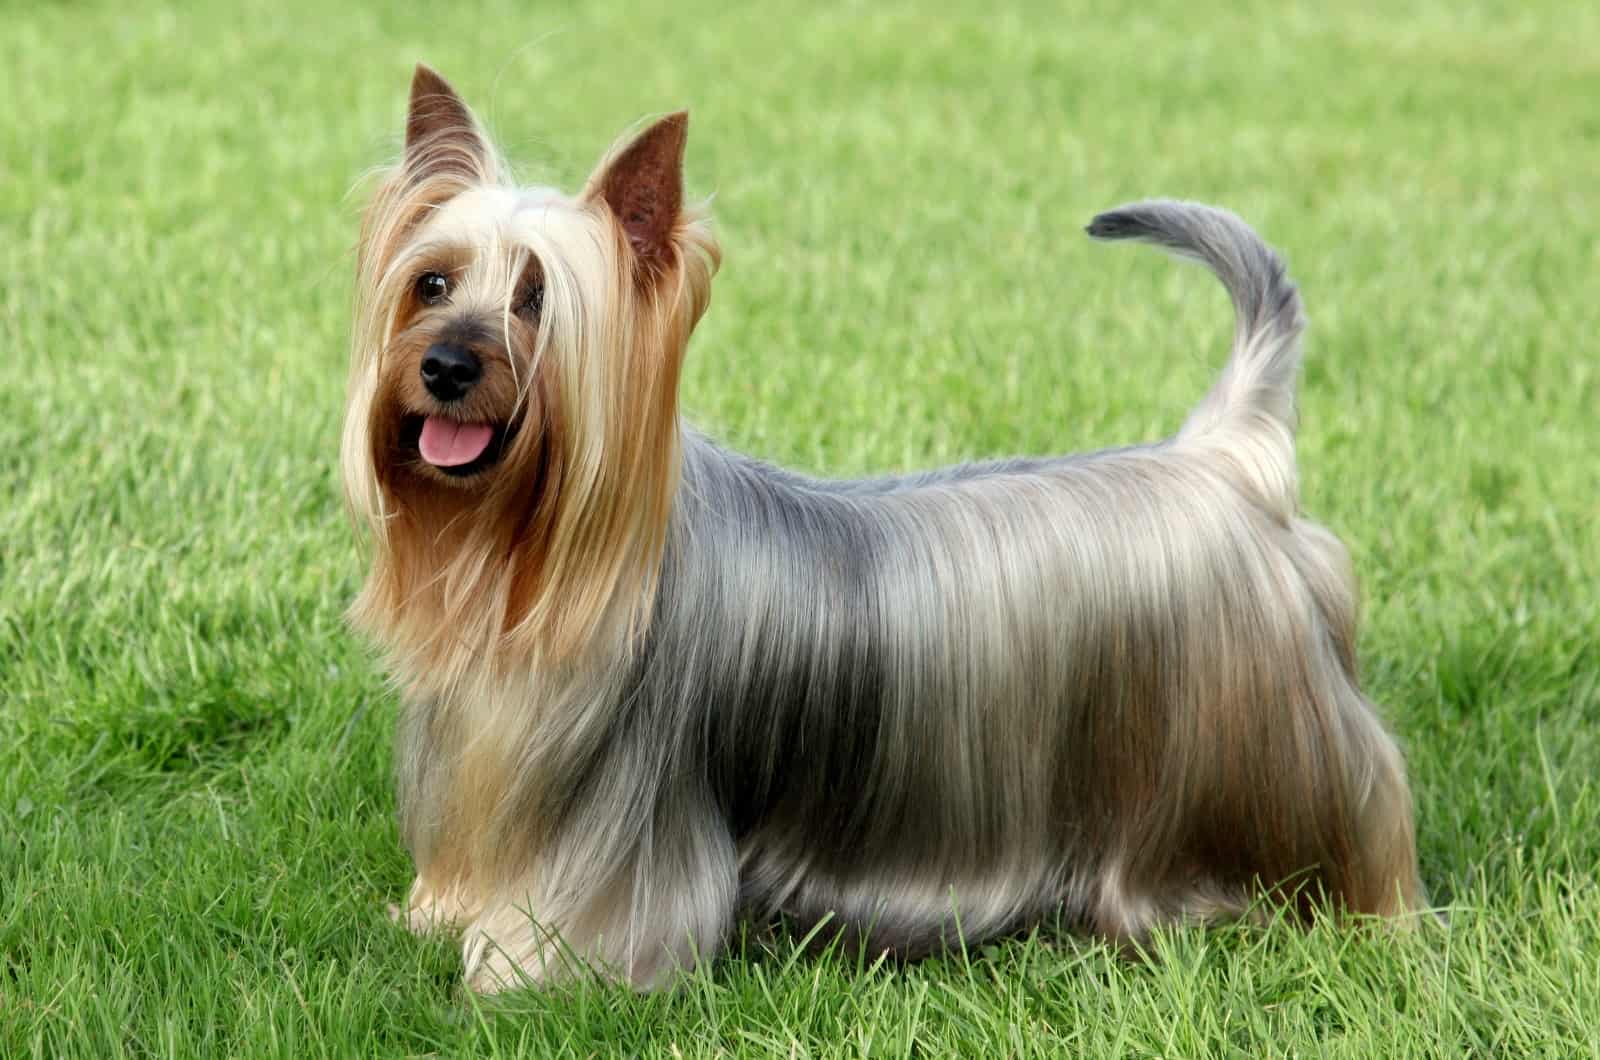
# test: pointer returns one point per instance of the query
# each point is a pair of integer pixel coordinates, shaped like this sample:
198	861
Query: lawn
197	832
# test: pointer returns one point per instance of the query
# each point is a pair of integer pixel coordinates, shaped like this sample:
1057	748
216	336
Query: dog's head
513	397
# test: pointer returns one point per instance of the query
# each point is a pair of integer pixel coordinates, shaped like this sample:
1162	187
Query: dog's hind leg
1339	832
1381	876
1277	774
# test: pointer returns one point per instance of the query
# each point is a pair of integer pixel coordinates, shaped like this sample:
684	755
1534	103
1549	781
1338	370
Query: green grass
196	816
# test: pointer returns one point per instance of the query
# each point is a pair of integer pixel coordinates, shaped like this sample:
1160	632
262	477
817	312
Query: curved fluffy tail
1249	415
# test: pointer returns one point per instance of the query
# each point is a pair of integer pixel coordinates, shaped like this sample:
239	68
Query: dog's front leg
661	907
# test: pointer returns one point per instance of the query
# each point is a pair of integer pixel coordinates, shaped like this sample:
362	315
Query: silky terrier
651	685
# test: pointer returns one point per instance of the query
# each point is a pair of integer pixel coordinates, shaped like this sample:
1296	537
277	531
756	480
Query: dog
651	685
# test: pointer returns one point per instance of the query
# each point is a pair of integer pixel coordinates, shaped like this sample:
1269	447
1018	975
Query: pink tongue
446	443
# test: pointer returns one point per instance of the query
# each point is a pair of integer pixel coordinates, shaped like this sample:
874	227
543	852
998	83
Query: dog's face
496	289
513	394
490	294
453	377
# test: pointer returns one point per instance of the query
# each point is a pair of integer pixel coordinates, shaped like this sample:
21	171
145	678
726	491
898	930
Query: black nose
449	371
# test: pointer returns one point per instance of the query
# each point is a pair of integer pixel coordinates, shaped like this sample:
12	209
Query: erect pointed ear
441	134
643	186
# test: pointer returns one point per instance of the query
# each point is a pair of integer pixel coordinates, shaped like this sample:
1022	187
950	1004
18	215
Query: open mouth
451	447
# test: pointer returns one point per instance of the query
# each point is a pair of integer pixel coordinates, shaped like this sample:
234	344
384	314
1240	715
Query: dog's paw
427	911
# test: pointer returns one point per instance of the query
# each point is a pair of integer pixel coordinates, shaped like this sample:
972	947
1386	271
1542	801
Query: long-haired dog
651	684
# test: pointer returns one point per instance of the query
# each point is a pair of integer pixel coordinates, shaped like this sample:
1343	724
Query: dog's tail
1249	415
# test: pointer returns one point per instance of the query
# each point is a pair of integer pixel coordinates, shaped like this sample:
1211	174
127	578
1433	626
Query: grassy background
196	838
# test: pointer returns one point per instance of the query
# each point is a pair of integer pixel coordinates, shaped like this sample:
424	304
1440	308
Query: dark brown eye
432	288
